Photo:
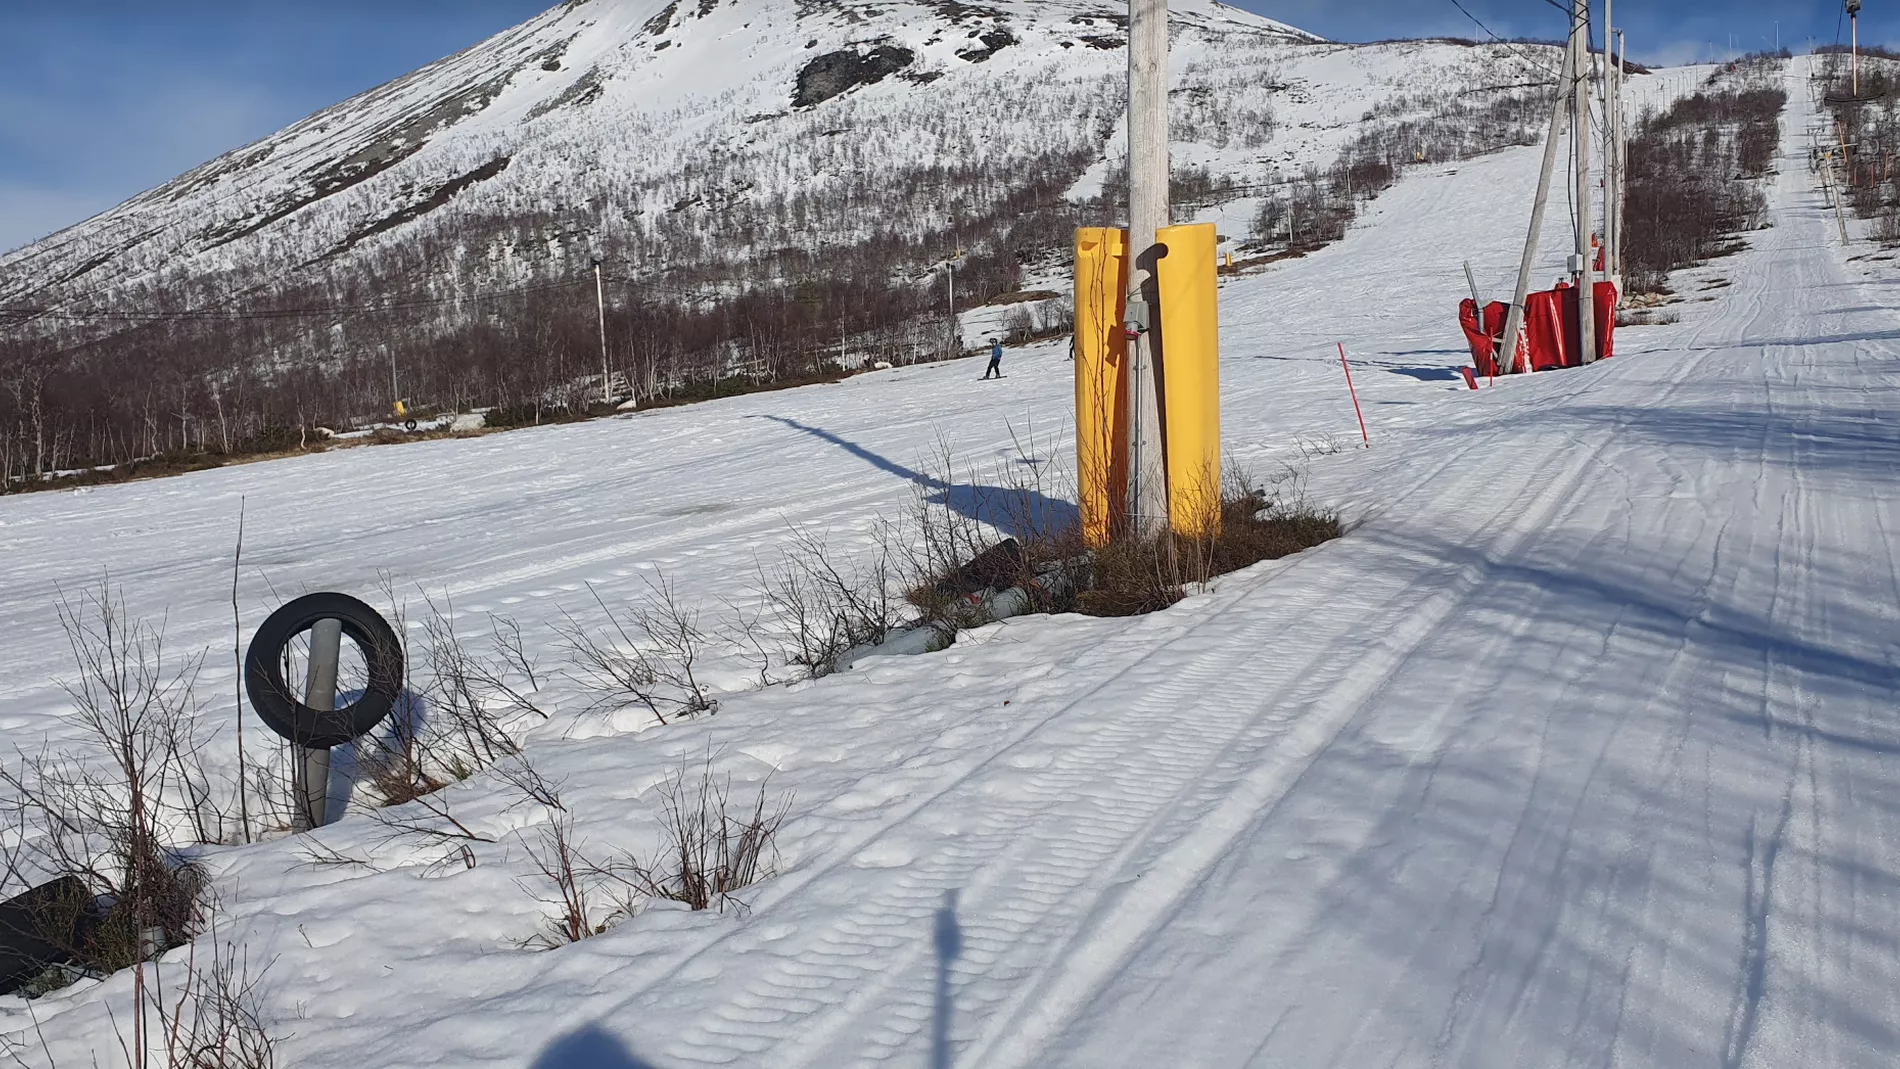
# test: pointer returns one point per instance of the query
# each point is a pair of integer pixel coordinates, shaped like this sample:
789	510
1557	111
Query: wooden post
1514	321
1148	212
600	306
1580	145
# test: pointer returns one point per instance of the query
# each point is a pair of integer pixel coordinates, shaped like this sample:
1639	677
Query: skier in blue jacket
996	359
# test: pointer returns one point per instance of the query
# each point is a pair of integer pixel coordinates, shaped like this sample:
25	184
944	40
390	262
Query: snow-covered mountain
1578	748
768	182
662	120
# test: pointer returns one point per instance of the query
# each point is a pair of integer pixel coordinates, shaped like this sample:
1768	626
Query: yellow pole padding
1186	281
1101	381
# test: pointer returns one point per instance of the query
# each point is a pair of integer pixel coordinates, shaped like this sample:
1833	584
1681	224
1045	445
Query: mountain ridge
569	60
774	190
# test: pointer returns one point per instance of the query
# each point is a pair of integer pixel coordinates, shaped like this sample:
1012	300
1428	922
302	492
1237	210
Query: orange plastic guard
1101	381
1190	374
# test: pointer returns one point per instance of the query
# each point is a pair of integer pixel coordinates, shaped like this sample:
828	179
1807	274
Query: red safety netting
1483	340
1551	337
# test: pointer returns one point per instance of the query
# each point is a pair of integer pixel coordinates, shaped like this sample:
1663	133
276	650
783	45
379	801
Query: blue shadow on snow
1017	512
591	1047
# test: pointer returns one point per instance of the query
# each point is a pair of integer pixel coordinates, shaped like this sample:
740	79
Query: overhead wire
1516	48
216	315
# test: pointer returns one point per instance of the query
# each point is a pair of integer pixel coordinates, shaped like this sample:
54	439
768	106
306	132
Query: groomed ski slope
1579	749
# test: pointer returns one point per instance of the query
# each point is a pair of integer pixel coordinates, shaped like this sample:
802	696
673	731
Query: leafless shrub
113	810
645	655
1322	445
823	606
212	1018
711	850
215	1020
952	552
587	898
511	658
427	819
430	819
462	716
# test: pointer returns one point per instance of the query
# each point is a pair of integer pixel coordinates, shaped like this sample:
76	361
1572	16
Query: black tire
409	425
286	714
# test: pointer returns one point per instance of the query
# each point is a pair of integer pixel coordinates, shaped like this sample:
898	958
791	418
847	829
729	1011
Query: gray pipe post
1148	212
1514	322
310	765
1580	142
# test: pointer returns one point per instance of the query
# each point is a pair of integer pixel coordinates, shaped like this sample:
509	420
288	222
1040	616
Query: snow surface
1578	749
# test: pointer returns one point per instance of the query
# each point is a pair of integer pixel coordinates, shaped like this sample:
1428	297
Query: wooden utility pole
1514	322
1148	212
953	333
600	306
1580	145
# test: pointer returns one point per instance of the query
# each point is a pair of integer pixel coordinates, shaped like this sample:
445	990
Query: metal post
1514	322
1619	141
1606	91
1472	281
310	765
1148	212
1580	142
600	305
950	272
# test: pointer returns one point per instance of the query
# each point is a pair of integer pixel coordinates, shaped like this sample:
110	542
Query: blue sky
100	99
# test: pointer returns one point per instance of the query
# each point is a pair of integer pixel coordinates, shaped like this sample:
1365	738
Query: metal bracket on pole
310	765
1136	322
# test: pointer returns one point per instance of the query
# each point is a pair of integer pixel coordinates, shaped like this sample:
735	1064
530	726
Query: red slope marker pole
1355	395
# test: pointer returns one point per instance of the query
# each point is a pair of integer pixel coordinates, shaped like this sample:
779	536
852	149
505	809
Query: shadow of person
949	939
591	1047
